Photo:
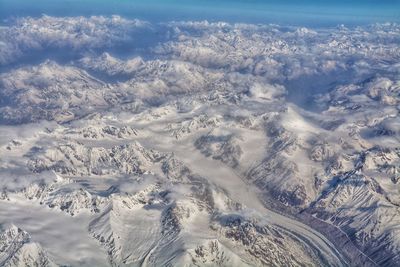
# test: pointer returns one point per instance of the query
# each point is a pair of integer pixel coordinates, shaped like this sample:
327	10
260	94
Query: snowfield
218	145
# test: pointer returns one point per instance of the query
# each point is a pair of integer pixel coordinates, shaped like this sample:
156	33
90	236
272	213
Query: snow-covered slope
17	249
222	145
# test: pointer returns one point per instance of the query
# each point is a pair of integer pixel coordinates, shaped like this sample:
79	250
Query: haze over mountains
310	13
132	142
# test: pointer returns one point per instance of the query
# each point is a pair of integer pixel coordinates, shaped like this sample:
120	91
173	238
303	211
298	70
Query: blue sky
290	12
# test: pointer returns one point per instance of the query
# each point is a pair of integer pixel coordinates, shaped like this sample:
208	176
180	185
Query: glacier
212	144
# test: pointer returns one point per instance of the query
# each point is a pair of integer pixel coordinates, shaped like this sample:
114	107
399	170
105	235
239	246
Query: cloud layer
34	35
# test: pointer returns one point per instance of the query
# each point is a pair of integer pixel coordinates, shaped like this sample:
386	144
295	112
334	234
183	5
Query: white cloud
29	34
267	91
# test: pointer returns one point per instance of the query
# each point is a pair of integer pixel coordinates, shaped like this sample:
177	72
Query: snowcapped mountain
17	249
220	145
